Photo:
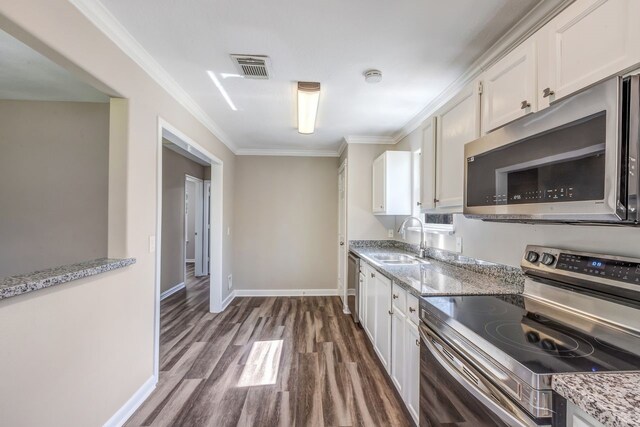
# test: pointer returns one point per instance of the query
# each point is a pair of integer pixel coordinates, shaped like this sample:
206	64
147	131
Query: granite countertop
611	398
449	275
24	283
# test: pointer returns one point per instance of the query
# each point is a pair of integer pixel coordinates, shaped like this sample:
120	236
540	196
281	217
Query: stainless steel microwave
576	161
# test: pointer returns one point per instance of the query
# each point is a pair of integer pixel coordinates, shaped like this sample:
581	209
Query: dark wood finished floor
266	362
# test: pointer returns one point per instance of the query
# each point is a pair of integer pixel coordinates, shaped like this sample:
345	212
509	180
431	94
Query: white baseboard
285	292
228	300
119	418
171	291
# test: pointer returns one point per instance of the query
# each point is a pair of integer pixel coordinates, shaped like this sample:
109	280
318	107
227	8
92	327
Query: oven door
563	163
454	393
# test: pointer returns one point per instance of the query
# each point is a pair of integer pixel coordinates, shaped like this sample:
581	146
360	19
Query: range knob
532	256
548	259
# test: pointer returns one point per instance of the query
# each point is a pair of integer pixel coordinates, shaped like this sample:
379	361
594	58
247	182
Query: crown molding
100	16
364	139
523	29
343	147
286	153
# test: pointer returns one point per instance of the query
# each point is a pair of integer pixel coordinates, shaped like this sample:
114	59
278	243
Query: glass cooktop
542	338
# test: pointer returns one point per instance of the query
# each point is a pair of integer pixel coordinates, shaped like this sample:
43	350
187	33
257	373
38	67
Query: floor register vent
252	66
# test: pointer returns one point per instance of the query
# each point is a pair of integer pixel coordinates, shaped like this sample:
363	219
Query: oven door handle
468	377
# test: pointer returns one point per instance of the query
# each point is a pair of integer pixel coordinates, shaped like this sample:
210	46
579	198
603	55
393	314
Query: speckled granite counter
22	284
611	398
443	273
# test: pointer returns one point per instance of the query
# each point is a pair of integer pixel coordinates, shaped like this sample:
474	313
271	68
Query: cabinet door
509	87
370	303
590	41
398	348
428	169
458	123
412	366
383	320
379	185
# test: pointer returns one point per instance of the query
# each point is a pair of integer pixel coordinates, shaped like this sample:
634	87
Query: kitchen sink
396	259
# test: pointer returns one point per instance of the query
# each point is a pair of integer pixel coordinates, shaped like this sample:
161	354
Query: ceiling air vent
252	66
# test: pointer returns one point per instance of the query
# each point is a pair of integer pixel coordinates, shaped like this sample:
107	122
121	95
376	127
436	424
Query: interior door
342	236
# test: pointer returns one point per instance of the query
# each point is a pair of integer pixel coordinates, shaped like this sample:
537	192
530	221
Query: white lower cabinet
398	346
382	342
412	364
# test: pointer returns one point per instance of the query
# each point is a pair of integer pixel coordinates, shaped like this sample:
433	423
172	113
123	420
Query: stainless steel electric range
489	360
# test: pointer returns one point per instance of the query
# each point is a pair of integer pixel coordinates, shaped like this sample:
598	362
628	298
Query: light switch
152	244
390	232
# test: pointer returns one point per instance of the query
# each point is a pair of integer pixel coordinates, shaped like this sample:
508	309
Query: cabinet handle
418	203
381	207
525	104
373	275
436	201
341	243
547	92
411	309
390	312
395	296
418	343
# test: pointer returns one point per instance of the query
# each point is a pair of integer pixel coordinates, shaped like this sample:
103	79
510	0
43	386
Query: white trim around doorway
216	209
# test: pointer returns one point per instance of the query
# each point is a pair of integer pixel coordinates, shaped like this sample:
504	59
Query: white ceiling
27	75
421	46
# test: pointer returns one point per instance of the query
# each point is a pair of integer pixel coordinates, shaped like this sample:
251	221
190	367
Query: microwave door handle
491	397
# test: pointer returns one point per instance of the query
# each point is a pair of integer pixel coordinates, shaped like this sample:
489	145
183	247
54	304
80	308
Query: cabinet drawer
399	298
412	309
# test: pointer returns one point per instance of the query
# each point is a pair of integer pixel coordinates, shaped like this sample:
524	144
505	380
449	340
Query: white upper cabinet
458	123
509	87
392	183
428	169
590	41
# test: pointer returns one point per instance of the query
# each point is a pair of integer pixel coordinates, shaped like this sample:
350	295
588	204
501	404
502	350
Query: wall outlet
459	245
229	281
390	233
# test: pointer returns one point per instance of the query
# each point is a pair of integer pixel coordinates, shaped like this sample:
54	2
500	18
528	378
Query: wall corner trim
171	291
122	415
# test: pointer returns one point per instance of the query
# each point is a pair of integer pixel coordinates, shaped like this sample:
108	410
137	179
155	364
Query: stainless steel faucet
423	242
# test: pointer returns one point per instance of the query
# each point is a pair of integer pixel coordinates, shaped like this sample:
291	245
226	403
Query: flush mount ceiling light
308	99
373	76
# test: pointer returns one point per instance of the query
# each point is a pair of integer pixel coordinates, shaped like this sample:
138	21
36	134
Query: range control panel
596	266
623	271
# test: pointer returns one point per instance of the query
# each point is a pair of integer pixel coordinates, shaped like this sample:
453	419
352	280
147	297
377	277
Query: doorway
194	225
208	242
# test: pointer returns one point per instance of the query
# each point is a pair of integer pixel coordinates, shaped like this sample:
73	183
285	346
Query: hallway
266	362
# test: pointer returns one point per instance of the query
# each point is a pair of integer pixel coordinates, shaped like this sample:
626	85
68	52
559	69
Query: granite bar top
25	283
442	273
611	398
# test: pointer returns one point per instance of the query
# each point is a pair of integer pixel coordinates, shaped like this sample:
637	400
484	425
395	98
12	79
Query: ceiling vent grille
252	66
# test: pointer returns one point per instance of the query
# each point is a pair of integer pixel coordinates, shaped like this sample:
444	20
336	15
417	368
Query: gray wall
286	217
174	169
53	184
